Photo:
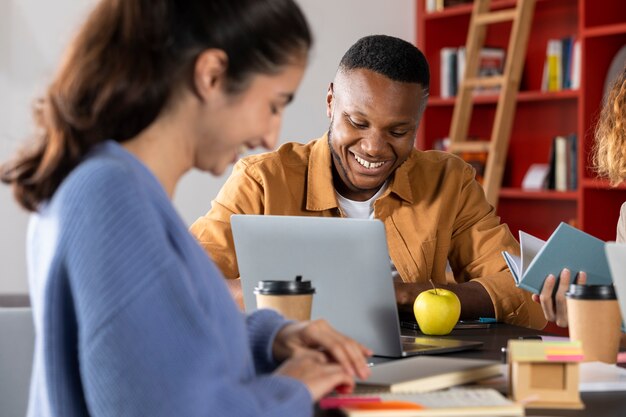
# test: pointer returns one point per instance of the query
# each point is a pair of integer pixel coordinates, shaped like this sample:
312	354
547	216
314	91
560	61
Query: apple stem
433	284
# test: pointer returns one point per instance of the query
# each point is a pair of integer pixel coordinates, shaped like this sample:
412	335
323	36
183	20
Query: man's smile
368	164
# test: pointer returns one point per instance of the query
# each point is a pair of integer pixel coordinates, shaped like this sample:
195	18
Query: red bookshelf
523	96
540	116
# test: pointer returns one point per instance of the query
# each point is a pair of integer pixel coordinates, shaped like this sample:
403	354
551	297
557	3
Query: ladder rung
484	82
495	17
469	146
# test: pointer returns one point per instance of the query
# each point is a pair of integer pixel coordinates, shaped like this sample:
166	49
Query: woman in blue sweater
131	316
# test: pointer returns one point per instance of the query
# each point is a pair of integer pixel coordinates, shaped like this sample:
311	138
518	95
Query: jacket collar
320	188
320	193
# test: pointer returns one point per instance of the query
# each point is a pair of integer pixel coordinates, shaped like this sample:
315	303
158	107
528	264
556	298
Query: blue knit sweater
132	318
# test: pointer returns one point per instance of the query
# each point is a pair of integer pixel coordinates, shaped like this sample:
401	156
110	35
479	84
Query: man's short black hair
394	58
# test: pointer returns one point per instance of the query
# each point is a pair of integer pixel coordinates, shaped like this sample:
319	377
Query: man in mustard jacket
366	166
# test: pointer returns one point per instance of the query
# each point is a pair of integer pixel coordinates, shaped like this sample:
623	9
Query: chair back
17	339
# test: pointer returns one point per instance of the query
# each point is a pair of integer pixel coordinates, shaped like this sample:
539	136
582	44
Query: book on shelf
438	5
560	163
426	373
448	66
490	63
576	65
561	70
535	178
567	247
441	144
563	164
478	160
451	402
452	67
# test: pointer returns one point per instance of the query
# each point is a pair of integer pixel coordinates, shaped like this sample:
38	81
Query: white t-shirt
363	210
359	209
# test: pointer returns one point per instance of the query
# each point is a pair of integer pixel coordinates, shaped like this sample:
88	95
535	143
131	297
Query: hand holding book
552	295
568	248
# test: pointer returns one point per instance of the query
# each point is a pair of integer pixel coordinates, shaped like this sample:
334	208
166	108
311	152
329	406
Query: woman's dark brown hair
126	62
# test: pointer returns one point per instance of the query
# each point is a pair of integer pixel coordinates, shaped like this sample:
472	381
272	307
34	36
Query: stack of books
478	160
561	70
418	386
563	167
491	63
561	173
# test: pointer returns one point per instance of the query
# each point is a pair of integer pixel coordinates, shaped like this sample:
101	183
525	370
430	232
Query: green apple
437	311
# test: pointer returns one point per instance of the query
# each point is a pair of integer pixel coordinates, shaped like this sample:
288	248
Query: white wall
34	32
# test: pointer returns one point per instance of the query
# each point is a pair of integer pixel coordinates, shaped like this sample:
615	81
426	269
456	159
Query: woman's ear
210	72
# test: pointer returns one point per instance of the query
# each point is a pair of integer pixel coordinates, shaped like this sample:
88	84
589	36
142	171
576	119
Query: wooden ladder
497	146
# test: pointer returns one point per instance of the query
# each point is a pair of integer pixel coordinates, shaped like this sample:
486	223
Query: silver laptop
348	264
616	257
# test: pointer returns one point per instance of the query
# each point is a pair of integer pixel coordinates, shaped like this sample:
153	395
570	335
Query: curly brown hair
609	152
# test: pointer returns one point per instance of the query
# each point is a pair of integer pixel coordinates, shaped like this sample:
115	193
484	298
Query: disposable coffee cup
594	318
293	299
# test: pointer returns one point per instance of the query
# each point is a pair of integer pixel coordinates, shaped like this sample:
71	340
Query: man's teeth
369	165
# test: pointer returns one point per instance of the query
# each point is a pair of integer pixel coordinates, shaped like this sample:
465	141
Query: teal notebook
568	248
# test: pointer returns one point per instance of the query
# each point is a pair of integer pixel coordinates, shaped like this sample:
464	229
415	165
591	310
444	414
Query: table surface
597	404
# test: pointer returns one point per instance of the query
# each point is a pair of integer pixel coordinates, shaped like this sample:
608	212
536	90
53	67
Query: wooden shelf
466	9
523	96
608	30
518	193
601	184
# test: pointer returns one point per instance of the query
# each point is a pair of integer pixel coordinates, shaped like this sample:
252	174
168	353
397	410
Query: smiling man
366	166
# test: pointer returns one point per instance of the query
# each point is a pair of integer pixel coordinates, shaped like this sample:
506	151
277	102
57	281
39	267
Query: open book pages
567	247
529	248
450	402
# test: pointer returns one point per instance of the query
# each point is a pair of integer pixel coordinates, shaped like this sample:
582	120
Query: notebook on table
446	403
427	373
348	264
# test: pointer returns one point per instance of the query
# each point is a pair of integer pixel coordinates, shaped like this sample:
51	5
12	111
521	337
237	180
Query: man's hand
319	338
553	303
234	286
407	292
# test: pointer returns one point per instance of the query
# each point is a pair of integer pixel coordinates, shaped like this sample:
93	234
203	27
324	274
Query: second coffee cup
594	318
293	299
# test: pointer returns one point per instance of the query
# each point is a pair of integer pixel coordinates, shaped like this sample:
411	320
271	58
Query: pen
487	320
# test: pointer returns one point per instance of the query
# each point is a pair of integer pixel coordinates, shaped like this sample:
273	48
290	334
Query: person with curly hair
609	156
609	160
